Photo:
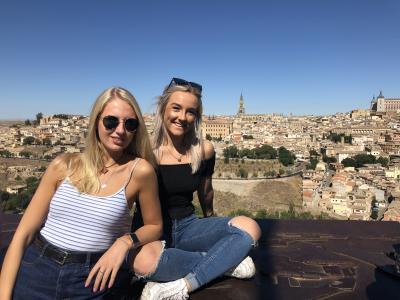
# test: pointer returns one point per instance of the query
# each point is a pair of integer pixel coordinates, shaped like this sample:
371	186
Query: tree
29	140
46	141
231	152
4	196
248	137
383	161
362	159
348	162
226	160
208	137
329	159
313	163
265	152
313	153
6	153
242	173
285	156
38	117
25	154
27	122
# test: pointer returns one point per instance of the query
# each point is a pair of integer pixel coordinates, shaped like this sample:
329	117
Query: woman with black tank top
84	202
201	249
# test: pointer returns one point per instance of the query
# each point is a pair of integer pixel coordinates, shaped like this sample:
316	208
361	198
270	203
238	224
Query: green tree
248	137
329	159
383	161
362	159
348	162
38	117
29	140
25	154
46	141
4	196
208	137
286	157
313	163
313	153
242	173
231	152
27	122
5	153
265	152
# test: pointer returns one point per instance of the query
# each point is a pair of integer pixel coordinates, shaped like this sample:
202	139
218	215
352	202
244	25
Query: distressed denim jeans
203	249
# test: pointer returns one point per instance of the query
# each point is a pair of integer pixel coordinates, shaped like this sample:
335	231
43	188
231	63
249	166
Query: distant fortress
385	105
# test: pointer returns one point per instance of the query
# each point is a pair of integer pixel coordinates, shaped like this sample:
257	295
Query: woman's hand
107	266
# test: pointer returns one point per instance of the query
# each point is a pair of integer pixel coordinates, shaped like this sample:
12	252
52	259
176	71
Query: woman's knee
146	259
248	225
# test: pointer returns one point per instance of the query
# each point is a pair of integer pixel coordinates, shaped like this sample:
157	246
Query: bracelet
135	240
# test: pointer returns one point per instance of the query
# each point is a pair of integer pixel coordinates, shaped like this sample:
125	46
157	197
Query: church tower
241	106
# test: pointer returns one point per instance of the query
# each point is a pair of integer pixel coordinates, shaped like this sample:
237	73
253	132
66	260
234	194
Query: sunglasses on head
183	82
112	122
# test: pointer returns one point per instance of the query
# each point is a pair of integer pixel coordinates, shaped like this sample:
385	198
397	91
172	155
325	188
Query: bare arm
29	225
143	185
205	191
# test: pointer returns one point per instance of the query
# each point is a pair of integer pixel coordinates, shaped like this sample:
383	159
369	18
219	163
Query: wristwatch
135	240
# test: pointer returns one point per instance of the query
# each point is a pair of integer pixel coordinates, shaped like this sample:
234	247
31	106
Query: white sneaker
173	290
246	269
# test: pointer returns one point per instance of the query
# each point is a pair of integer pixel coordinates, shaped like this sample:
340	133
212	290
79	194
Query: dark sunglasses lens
196	86
179	81
183	82
110	122
131	124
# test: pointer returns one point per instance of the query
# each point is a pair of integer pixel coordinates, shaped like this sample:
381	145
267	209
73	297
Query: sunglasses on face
183	82
112	122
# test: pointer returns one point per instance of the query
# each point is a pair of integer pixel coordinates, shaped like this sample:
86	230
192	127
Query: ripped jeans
203	249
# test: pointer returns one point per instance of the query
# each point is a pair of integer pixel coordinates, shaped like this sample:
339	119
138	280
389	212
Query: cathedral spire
241	110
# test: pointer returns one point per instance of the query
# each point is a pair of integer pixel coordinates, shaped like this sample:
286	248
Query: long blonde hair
86	170
193	138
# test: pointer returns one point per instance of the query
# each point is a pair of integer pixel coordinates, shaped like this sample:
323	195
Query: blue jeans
41	278
203	249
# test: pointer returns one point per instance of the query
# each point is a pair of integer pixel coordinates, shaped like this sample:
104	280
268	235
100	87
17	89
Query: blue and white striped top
81	222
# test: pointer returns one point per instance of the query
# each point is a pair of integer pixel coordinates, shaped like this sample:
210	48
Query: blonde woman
202	248
84	202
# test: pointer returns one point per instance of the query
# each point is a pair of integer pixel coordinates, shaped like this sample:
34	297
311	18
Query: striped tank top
81	222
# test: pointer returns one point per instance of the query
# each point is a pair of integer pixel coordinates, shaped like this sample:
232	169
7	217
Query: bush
242	173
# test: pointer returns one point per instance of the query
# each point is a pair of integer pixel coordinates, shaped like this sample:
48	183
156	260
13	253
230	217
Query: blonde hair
193	138
86	170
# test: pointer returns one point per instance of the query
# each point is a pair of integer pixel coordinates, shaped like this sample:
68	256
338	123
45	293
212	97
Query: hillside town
351	161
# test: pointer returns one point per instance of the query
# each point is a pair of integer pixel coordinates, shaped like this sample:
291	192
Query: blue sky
301	57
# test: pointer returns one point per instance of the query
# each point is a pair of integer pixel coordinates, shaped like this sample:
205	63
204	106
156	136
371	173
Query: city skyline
307	58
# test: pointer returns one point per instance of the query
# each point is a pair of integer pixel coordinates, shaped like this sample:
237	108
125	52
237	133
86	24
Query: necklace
103	184
105	171
179	157
107	167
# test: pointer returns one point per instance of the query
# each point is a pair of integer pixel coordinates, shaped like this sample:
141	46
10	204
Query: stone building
385	105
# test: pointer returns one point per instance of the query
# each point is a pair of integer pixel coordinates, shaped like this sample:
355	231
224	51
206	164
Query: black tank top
176	186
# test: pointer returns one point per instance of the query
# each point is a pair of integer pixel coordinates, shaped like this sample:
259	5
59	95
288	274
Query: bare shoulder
144	170
59	165
208	149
